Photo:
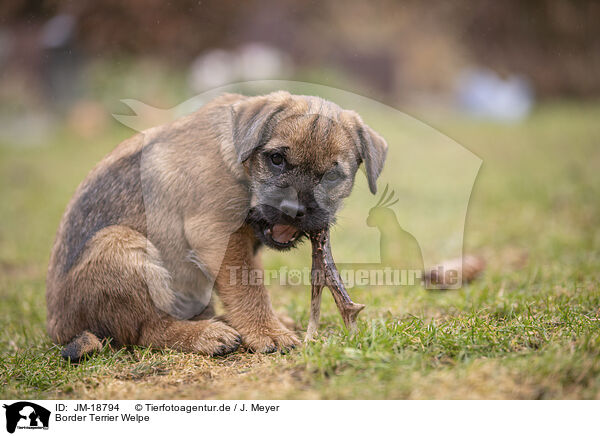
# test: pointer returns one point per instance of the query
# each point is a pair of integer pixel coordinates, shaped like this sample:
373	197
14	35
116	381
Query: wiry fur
162	219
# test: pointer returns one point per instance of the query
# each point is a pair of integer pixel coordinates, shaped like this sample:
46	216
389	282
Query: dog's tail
83	345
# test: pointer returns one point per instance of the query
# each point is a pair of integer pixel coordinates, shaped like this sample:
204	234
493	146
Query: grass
529	328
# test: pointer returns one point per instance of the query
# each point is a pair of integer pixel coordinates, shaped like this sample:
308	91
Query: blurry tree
388	44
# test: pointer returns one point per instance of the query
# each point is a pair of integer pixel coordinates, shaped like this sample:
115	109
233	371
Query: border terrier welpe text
166	216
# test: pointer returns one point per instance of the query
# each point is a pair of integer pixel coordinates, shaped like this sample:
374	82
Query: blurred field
530	328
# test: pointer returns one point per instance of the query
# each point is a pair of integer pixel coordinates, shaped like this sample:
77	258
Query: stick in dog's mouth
325	273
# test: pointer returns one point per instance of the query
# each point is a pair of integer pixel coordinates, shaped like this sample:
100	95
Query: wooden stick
325	273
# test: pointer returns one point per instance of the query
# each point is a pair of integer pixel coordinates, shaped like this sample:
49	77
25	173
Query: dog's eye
332	176
277	159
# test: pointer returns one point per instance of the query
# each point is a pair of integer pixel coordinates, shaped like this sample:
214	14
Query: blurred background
73	61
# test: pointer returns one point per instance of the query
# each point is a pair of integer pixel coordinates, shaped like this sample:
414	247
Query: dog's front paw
268	339
217	339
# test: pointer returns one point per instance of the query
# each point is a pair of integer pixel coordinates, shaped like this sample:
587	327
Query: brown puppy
181	209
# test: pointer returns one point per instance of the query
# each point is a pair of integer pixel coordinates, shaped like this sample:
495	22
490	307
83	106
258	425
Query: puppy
179	210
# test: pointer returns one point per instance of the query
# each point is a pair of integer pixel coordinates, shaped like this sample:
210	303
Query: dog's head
301	155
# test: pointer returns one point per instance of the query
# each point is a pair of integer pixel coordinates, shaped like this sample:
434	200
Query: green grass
529	328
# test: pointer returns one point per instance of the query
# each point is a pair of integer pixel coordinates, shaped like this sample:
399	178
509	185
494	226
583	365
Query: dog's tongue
283	233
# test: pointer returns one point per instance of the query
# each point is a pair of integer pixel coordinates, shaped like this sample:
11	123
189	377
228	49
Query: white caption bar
75	417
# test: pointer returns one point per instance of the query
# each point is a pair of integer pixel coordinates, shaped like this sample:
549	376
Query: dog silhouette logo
26	415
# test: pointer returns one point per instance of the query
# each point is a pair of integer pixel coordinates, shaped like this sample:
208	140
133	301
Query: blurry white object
485	94
260	61
253	61
58	31
212	69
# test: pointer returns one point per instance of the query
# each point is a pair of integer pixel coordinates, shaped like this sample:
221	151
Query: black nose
292	208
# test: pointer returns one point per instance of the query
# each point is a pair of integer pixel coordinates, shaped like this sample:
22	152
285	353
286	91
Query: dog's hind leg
117	290
82	345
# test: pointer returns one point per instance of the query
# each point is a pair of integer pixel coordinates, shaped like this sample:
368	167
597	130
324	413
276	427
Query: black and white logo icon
26	415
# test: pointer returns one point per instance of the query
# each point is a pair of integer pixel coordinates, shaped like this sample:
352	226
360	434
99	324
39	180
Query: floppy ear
371	147
253	120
